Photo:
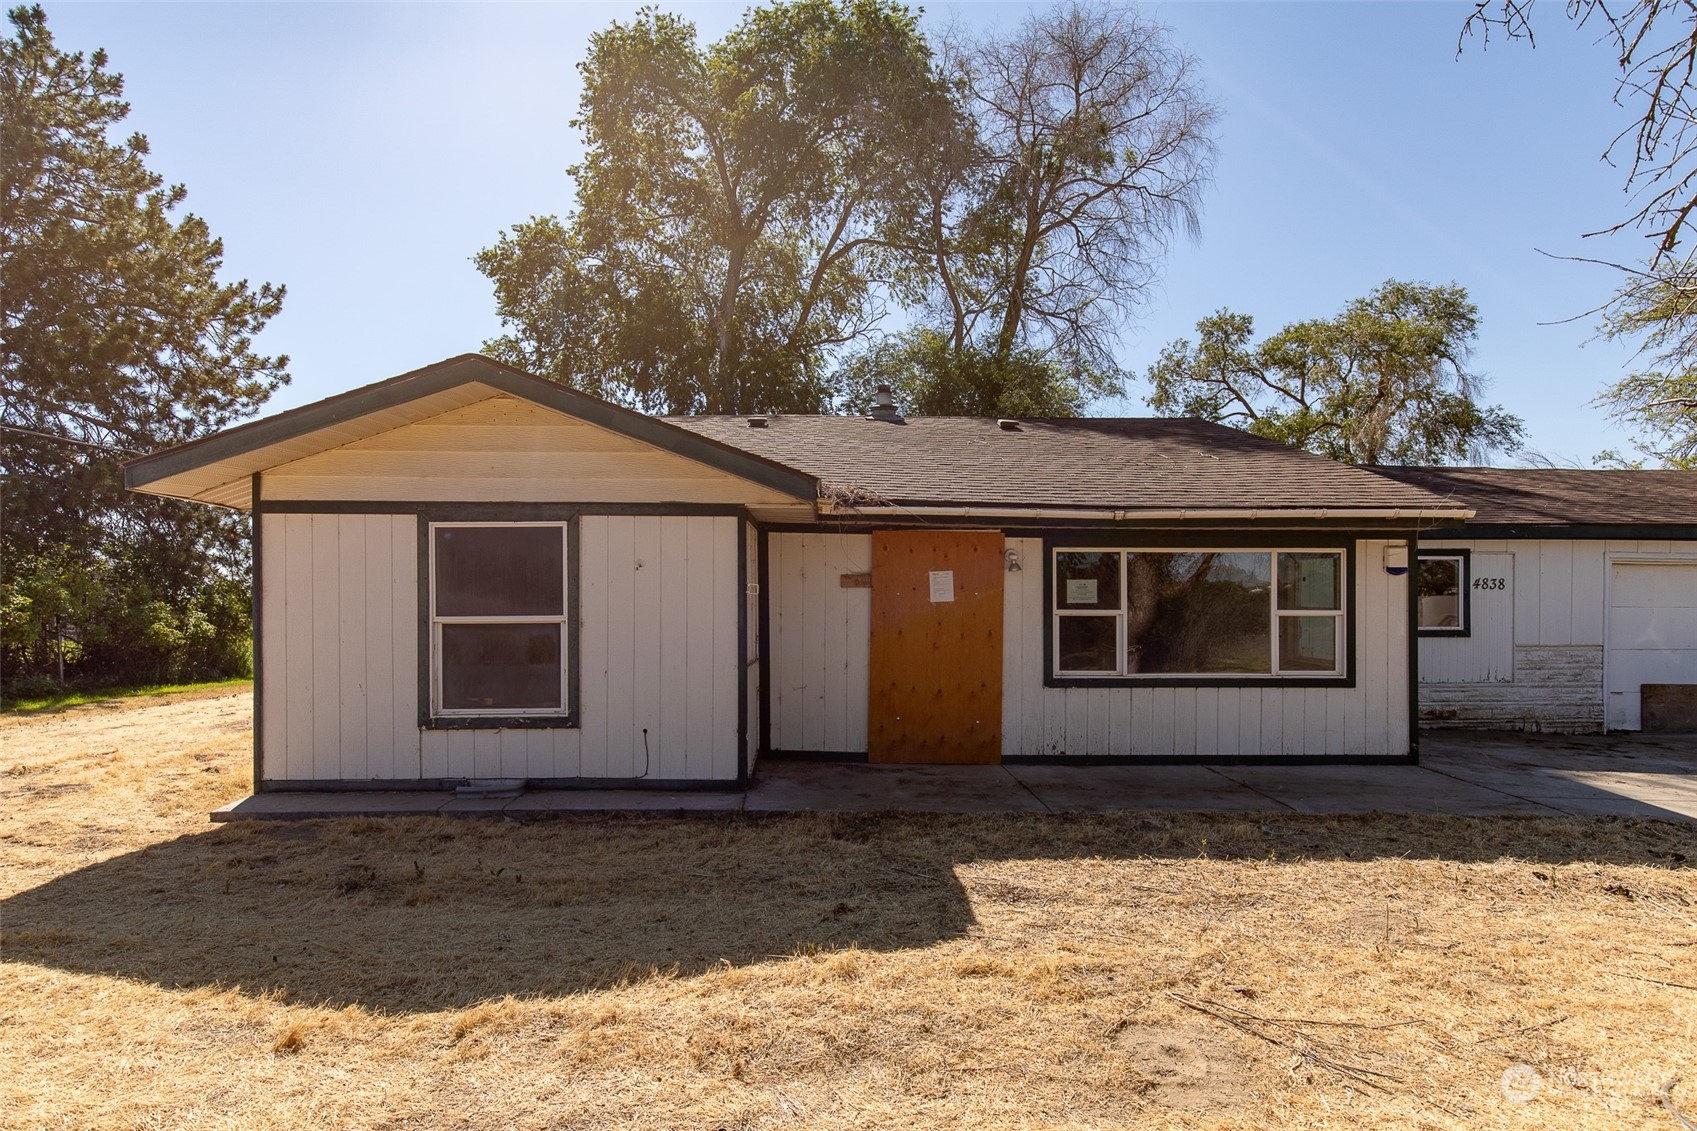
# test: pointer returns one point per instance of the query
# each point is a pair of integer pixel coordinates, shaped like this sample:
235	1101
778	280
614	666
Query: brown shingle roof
1155	464
1516	496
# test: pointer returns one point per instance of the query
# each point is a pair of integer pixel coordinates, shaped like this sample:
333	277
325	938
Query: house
469	572
1568	602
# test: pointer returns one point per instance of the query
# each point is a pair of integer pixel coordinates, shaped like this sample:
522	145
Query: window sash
564	707
1277	667
1462	594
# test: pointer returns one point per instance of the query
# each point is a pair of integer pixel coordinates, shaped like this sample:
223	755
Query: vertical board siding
657	649
273	646
642	734
1368	719
821	642
1486	653
751	599
593	645
339	605
1535	660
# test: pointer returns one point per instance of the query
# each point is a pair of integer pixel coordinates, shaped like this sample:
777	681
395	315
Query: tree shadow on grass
411	914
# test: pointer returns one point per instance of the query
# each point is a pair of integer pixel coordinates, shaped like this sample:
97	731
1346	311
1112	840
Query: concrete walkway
1459	772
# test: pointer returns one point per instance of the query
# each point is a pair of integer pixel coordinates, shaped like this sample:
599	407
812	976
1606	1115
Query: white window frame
1340	616
563	620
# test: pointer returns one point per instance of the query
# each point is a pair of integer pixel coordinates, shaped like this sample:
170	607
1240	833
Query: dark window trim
445	785
1466	591
496	514
1170	540
1257	529
763	579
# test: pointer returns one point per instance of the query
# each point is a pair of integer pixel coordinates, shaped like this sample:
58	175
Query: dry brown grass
810	971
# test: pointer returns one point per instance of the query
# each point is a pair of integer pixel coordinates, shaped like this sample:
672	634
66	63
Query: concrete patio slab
1377	789
475	806
353	803
1460	773
834	787
1595	804
1104	789
577	802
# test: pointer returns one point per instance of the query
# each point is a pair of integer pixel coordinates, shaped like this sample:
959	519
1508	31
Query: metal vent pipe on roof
884	405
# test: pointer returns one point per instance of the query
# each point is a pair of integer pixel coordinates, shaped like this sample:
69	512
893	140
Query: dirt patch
1189	1067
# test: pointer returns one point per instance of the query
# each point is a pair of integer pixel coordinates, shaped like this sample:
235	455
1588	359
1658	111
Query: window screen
498	618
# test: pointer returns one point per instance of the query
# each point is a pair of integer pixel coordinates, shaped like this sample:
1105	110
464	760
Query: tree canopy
1385	381
1655	45
749	211
1658	310
1090	144
738	208
118	338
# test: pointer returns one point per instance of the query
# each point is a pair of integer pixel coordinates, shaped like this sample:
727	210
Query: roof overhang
219	469
1417	515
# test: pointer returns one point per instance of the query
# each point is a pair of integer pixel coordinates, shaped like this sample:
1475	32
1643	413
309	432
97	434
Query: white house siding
509	450
1367	720
657	652
751	599
339	647
821	641
1550	624
820	674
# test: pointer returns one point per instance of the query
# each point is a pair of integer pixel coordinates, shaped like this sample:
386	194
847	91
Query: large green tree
1386	381
116	337
739	209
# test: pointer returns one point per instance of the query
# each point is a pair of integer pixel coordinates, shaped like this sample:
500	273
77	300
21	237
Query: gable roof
1561	497
218	468
1135	464
1080	467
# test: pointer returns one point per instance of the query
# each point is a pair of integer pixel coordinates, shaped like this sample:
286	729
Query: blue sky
361	154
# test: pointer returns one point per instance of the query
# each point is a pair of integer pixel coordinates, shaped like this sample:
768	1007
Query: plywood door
936	663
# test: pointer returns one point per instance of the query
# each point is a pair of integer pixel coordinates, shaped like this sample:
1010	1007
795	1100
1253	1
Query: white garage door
1652	633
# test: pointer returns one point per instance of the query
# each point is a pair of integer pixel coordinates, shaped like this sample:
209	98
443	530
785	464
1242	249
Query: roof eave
1135	514
230	443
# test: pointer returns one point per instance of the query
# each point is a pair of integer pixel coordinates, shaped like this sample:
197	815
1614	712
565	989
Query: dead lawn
1157	971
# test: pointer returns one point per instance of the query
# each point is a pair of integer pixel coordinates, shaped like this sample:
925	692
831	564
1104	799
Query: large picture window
1206	613
1441	590
499	632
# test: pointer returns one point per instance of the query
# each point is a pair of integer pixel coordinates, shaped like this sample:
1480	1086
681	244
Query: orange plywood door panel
936	693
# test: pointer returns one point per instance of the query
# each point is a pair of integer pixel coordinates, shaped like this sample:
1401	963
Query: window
499	635
1213	613
1442	592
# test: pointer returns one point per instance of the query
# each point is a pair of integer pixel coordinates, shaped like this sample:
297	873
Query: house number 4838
1489	583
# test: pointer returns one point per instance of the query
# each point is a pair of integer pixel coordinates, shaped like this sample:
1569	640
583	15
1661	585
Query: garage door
1652	633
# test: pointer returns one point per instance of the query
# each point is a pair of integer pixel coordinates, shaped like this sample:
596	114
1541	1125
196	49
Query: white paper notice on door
1081	592
942	585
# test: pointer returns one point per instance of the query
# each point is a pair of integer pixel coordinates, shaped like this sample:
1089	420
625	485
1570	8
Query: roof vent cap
884	405
1008	425
757	422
